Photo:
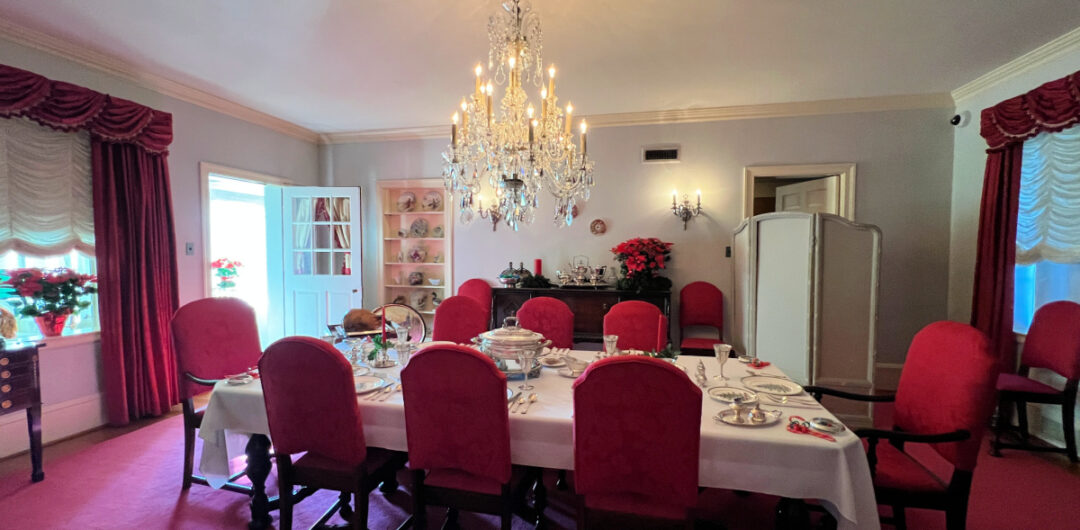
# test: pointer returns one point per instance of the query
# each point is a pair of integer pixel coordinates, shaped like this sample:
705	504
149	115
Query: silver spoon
532	399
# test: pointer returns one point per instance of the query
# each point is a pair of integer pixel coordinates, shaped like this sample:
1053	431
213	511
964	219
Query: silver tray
727	416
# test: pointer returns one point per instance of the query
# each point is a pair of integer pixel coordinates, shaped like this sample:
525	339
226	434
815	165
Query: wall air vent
660	154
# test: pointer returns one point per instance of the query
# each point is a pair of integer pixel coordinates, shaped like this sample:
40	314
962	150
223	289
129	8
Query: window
83	321
1048	225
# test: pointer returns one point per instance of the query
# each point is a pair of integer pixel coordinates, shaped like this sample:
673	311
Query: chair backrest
214	338
458	319
701	304
549	317
639	325
480	291
455	412
1053	341
311	400
948	384
635	438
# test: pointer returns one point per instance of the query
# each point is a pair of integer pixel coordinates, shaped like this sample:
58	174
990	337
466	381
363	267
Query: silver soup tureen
506	346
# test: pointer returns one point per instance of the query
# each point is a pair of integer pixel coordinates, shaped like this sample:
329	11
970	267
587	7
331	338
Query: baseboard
59	421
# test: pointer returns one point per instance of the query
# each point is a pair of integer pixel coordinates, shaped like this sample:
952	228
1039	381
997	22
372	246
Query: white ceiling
349	65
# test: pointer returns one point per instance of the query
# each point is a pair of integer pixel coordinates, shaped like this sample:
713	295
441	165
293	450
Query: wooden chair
213	338
945	397
549	317
458	319
458	432
636	447
700	304
639	325
480	291
311	408
1053	343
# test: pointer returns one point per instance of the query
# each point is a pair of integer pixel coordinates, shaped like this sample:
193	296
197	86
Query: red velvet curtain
133	228
1052	107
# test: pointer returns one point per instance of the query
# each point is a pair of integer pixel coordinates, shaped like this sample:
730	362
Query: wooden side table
20	388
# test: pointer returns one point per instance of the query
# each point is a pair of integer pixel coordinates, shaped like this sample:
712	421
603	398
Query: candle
584	127
674	194
551	80
532	127
489	106
569	112
543	103
538	267
699	198
453	130
479	86
464	117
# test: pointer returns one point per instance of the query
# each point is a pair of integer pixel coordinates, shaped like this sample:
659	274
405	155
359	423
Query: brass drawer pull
6	404
5	375
5	389
4	361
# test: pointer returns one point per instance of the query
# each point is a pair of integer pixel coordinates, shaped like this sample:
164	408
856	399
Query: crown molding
110	65
658	117
1062	45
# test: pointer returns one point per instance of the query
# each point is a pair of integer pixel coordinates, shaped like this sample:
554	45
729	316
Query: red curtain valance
1052	107
69	107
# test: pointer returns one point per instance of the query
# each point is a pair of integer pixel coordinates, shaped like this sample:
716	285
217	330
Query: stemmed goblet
525	359
722	351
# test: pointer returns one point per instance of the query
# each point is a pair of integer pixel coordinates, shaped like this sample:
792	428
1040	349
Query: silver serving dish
506	344
510	276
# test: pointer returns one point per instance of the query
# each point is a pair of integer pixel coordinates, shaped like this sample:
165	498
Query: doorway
811	188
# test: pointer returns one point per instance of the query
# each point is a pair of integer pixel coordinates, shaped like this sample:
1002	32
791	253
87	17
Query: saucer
565	372
553	362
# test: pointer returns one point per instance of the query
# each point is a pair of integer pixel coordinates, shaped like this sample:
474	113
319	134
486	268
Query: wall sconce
491	213
683	210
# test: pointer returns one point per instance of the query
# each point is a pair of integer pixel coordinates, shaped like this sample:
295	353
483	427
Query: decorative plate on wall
418	228
598	227
432	202
406	202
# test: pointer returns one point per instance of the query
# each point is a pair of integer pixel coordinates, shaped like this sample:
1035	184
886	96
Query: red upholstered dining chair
311	408
1053	343
458	319
636	446
213	338
480	291
945	397
700	304
639	325
458	432
549	317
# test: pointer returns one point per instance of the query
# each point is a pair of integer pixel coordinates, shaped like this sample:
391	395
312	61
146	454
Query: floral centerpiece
50	295
641	261
225	270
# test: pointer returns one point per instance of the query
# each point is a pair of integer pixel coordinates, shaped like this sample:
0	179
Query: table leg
33	425
258	468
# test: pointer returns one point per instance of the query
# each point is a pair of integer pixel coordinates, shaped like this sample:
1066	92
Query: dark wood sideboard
588	304
20	389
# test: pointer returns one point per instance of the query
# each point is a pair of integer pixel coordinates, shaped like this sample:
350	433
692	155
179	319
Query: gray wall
904	164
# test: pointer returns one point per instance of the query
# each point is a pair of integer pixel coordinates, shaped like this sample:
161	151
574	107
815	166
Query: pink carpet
133	481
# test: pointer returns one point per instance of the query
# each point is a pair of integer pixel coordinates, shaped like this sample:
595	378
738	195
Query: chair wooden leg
582	515
1000	426
189	454
285	496
360	509
560	483
1022	419
956	517
899	518
419	507
1068	415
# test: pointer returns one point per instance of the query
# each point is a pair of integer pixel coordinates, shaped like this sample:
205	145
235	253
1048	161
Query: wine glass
722	352
611	345
525	359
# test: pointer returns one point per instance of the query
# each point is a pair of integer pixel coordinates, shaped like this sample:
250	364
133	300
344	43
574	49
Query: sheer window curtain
1047	224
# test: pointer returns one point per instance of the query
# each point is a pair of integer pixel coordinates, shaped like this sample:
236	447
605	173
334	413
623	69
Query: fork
378	393
386	395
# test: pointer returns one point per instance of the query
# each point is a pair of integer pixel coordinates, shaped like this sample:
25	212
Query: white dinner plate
772	385
370	383
553	361
728	416
727	394
509	393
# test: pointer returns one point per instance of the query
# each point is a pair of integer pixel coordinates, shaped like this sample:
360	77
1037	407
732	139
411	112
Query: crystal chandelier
517	149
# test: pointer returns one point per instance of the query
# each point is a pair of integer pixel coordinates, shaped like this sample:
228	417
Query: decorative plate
437	231
370	383
598	227
406	201
432	202
418	254
418	228
415	278
727	394
419	300
728	416
772	385
399	299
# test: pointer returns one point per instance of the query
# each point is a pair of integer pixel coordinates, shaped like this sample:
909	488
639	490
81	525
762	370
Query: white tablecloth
761	459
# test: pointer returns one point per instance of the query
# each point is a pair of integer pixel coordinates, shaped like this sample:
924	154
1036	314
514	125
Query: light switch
189	248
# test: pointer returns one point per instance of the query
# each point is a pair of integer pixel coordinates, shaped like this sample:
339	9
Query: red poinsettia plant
641	261
225	270
58	292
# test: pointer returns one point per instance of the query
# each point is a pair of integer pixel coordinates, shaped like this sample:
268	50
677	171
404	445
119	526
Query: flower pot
51	324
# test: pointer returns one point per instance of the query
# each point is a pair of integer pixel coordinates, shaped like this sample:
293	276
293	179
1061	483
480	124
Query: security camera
962	119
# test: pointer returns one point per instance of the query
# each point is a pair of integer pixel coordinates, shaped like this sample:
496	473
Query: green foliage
536	282
669	352
380	345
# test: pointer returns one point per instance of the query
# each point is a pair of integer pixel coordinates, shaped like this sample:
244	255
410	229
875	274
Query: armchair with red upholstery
549	317
213	338
1053	343
458	319
700	304
945	398
639	325
458	433
636	446
311	408
480	291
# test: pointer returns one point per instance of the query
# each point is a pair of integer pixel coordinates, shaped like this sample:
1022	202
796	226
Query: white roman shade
1048	219
46	199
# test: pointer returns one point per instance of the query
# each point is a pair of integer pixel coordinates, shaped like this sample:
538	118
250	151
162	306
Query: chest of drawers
20	389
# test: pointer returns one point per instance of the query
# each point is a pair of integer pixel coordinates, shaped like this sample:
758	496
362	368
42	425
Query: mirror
811	188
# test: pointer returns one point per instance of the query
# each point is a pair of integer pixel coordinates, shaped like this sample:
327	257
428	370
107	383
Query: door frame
846	185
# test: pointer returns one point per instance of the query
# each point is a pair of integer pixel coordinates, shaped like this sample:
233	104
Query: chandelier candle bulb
551	80
479	84
569	112
532	127
584	127
453	130
543	103
674	195
699	198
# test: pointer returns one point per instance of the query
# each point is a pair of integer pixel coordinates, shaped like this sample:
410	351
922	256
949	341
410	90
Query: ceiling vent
660	154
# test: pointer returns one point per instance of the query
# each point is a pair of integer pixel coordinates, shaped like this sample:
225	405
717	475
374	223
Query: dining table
752	458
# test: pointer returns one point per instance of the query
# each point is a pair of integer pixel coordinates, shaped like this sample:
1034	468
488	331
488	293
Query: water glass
611	345
525	360
722	352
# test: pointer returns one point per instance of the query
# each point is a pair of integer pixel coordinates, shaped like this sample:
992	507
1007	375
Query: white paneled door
321	235
813	196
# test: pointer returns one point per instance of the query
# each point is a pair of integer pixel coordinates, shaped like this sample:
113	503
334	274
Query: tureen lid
511	334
